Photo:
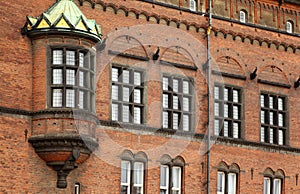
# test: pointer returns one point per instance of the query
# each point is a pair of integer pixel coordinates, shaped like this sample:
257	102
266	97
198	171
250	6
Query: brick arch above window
177	54
273	74
223	166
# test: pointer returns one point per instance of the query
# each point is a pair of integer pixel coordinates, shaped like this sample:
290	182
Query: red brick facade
236	50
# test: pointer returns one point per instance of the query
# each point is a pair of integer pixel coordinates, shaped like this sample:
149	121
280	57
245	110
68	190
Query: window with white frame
127	95
132	185
227	183
243	16
177	103
273	118
272	185
193	5
289	26
77	188
72	79
171	176
227	111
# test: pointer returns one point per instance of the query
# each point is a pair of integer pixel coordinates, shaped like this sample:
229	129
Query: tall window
227	111
227	179
289	27
273	181
243	16
193	5
127	95
171	176
177	103
133	173
273	120
72	79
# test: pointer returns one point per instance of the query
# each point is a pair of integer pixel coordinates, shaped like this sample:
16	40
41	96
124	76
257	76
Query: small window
77	188
226	182
272	185
289	27
243	16
193	5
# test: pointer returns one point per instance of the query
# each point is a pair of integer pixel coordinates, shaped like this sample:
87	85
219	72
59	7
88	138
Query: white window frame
231	186
138	174
77	188
127	174
227	185
178	189
221	174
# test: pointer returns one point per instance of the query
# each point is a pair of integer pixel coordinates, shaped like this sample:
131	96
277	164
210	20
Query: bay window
70	71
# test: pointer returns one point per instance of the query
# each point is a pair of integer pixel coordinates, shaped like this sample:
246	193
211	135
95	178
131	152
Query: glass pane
164	176
226	110
137	96
262	100
137	115
125	113
266	186
225	128
138	173
125	171
81	99
70	57
216	127
277	186
185	87
57	57
217	108
114	74
235	96
176	178
165	120
280	120
216	92
235	112
57	97
81	78
175	120
57	76
175	102
81	59
231	183
165	100
125	94
271	118
221	181
70	80
226	94
271	102
262	116
70	98
115	112
271	135
186	123
175	85
165	83
280	137
115	92
137	78
186	104
235	130
126	76
262	134
280	103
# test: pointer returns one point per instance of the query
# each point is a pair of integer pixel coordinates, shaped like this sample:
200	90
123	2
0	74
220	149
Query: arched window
171	171
243	16
133	172
273	181
289	26
193	5
227	178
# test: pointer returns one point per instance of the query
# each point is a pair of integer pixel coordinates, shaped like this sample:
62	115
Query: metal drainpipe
209	96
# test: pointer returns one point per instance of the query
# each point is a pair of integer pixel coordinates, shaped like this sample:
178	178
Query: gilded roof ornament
63	16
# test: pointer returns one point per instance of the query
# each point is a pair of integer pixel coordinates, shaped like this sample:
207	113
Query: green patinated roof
63	16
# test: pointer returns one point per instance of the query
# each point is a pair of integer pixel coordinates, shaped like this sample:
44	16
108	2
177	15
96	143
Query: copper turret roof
64	16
